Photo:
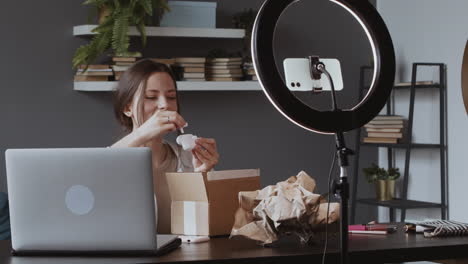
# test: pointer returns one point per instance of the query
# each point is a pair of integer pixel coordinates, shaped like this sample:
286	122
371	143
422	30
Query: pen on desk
374	227
412	228
386	227
368	232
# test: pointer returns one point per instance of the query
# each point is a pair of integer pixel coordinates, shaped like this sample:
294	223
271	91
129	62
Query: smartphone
297	74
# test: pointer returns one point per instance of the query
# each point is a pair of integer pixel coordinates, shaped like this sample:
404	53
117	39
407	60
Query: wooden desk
398	247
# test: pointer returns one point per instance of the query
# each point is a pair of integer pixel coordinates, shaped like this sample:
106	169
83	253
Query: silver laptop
82	200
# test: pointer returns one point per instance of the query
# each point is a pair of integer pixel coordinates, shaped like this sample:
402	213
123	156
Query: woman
146	104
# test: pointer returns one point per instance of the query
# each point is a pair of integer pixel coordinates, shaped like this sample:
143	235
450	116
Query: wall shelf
86	30
182	86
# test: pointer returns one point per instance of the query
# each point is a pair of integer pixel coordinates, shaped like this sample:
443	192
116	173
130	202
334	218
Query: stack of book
121	64
191	68
94	73
250	73
384	129
224	69
168	61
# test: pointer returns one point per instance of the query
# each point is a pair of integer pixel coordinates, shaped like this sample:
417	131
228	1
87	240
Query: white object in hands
297	74
187	141
194	239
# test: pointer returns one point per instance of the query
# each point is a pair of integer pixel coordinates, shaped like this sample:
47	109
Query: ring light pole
334	122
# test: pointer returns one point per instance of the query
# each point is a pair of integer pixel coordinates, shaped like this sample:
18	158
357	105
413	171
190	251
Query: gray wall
40	109
433	31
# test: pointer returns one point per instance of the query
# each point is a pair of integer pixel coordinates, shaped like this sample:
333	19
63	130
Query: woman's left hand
205	154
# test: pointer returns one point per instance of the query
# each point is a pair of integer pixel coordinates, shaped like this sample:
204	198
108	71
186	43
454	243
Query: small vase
385	190
391	189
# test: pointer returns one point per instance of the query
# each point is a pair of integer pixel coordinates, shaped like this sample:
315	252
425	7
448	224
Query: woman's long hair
131	90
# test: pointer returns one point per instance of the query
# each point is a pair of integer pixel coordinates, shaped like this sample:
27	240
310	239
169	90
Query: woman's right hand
160	124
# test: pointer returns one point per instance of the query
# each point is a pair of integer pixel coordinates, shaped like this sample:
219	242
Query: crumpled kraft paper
288	207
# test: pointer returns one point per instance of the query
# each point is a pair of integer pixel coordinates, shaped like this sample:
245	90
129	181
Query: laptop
83	201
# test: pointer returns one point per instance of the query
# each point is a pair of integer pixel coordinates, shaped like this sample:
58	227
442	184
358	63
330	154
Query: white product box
190	14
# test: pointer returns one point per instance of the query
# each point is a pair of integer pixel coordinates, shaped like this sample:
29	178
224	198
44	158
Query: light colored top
177	160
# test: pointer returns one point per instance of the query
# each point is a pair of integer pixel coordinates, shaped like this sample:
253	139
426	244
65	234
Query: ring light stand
336	121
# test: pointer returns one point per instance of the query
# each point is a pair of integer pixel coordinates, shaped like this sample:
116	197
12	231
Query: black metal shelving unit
403	203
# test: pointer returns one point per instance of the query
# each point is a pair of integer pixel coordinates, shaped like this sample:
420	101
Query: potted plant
245	20
116	18
384	181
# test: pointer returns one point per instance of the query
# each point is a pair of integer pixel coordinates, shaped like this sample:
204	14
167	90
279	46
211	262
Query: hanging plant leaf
112	33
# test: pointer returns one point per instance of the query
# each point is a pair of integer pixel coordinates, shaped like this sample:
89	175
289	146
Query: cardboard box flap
232	174
186	186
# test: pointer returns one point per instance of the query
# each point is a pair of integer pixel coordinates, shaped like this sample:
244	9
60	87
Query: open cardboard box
204	204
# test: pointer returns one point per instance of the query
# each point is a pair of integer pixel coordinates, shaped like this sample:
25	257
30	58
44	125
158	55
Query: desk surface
398	247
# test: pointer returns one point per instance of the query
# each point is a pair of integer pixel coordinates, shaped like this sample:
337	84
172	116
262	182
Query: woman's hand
205	155
160	124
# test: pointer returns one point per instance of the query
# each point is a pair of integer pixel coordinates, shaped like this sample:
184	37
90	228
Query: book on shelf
124	59
121	63
225	75
254	78
208	66
417	83
251	72
85	78
94	67
193	69
95	70
228	63
190	60
385	130
224	71
194	79
223	79
388	117
190	65
168	61
386	122
383	126
120	68
193	75
384	135
380	140
216	60
95	73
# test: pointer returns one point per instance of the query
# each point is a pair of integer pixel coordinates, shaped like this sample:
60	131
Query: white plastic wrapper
290	206
187	141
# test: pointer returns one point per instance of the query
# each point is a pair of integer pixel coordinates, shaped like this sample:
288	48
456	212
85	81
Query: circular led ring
325	122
